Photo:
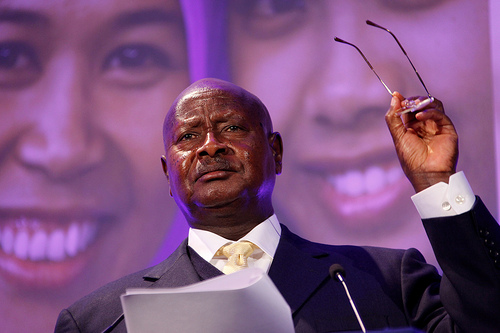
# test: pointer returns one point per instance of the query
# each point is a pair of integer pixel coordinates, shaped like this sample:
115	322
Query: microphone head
336	269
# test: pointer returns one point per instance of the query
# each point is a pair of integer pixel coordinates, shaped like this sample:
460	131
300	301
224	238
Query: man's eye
136	65
186	137
233	128
270	18
19	64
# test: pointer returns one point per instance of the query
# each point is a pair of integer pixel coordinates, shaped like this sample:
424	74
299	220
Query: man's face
342	172
218	154
84	86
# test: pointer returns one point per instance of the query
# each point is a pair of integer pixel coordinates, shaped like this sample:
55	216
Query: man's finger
393	120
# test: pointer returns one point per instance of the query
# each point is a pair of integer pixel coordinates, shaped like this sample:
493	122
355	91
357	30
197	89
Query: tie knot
243	248
237	255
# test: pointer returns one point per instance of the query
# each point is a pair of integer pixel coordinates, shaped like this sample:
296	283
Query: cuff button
459	199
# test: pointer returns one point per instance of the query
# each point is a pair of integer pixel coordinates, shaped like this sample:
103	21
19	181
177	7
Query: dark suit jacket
391	288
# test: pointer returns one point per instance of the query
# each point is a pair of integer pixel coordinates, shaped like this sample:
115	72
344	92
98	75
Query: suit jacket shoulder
101	308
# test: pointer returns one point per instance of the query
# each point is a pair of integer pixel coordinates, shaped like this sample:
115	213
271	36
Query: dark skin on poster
82	83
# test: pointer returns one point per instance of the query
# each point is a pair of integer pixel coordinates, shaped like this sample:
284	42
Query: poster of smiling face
85	85
341	180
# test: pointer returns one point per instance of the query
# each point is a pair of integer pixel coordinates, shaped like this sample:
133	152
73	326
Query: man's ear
165	171
277	147
164	165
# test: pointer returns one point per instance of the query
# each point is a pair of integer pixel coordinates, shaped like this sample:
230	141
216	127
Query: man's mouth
206	172
43	252
214	175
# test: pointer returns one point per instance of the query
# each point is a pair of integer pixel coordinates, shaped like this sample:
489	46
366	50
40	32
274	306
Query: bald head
222	93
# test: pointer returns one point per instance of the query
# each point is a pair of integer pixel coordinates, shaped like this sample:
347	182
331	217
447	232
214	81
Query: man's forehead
212	97
210	102
217	94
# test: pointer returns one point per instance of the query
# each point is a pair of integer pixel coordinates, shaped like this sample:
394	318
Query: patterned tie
237	255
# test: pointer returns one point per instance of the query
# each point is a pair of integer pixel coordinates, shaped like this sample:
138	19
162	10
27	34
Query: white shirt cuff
444	199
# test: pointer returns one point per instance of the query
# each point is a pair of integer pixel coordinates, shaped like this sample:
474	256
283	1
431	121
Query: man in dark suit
221	162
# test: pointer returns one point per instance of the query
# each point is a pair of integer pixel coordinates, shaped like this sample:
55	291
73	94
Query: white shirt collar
266	235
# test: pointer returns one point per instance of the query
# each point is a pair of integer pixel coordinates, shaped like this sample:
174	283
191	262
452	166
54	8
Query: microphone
337	273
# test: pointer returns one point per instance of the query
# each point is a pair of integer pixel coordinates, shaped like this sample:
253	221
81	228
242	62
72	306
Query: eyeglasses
411	106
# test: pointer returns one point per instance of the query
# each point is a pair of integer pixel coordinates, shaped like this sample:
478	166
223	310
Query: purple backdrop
84	86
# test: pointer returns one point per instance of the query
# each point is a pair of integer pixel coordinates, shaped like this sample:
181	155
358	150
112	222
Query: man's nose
212	146
60	139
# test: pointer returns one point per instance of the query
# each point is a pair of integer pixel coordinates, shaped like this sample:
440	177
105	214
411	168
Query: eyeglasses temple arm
402	49
366	60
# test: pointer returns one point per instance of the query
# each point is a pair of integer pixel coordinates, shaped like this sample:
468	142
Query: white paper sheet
245	301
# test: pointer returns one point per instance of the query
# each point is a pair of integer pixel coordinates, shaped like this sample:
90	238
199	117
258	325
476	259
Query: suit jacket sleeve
467	249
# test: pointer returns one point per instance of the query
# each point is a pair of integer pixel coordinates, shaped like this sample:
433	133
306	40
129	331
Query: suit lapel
297	270
204	269
183	267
